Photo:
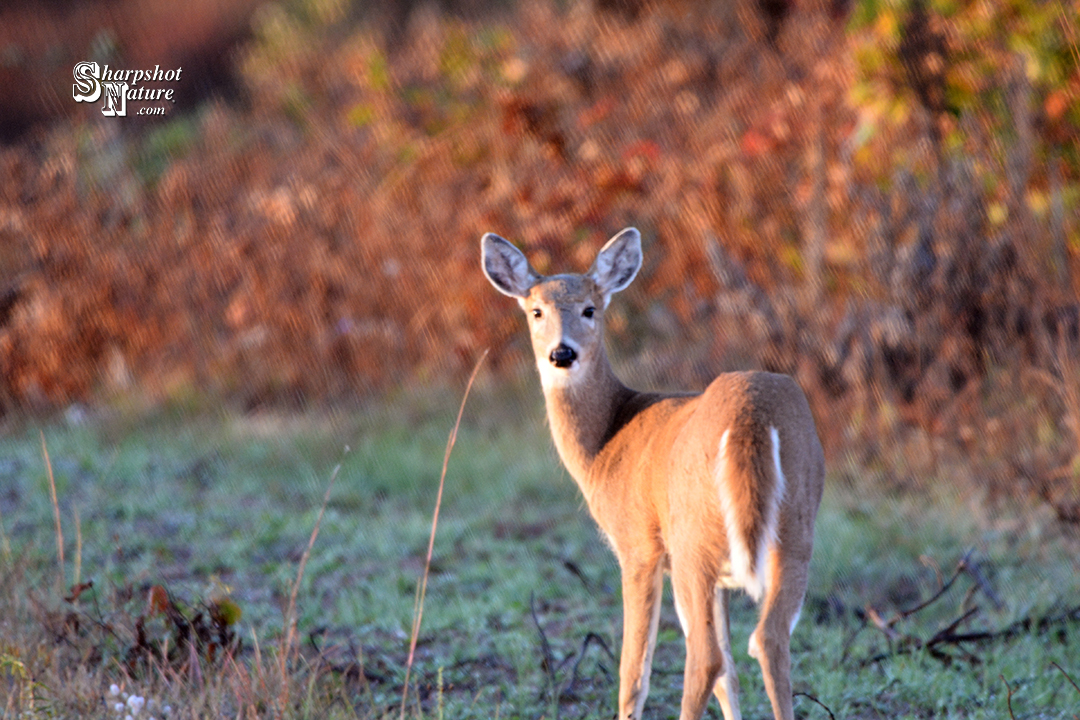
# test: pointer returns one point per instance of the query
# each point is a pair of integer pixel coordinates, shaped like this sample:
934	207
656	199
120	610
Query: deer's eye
588	312
537	313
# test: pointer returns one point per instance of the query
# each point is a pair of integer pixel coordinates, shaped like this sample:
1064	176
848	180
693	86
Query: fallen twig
548	662
1008	699
907	643
949	636
813	699
974	571
1020	627
885	626
901	643
1067	677
961	566
590	638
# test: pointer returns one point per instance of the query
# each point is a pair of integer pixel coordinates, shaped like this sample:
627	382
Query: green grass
207	505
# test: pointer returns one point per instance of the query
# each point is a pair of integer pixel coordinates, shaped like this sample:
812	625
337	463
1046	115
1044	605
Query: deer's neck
581	414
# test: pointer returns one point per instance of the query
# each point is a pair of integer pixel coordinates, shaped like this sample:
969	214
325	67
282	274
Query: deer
719	489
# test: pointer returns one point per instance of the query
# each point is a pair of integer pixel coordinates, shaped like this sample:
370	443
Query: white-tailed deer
720	488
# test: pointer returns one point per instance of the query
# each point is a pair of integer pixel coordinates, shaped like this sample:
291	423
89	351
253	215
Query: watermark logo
115	87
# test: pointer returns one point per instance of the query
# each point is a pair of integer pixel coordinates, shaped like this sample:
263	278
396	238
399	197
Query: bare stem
5	545
56	513
418	613
78	549
288	643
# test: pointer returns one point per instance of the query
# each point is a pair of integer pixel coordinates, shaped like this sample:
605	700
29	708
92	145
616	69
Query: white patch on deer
754	647
681	615
743	570
772	517
770	534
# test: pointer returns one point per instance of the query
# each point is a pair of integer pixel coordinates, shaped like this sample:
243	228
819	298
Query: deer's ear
618	263
506	267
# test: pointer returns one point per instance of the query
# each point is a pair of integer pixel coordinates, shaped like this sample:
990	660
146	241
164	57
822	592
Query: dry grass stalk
56	515
5	544
418	610
288	641
78	549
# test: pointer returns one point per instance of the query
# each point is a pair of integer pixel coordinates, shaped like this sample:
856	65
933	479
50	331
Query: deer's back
659	462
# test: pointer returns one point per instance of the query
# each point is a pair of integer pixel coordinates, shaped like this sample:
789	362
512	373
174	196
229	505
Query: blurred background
878	197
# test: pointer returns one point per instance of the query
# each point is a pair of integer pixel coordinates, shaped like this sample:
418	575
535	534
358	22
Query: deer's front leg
642	585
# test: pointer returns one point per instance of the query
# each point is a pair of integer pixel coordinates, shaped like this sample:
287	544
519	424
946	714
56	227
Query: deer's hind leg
727	685
770	643
695	603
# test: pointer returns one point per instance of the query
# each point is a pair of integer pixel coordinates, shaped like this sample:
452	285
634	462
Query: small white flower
114	689
135	704
167	709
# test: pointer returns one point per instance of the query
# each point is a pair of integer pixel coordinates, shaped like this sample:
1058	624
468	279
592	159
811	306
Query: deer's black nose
563	356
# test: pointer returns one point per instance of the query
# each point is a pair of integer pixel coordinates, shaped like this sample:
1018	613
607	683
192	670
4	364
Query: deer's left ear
618	263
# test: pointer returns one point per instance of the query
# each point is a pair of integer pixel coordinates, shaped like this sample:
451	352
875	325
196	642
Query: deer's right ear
506	267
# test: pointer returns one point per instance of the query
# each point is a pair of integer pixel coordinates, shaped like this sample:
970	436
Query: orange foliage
319	240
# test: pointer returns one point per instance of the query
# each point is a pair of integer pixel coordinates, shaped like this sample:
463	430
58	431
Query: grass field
522	613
